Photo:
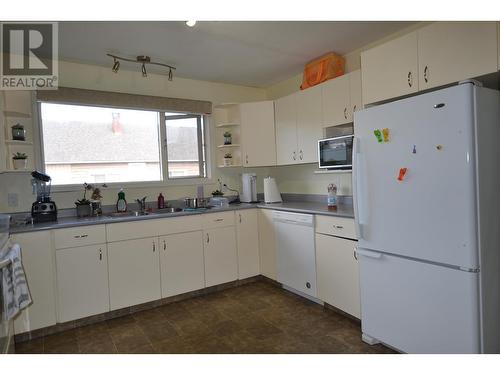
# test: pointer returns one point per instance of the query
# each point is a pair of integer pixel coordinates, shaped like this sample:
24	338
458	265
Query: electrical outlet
12	199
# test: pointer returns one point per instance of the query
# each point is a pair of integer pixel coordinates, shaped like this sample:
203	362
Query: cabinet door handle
338	226
240	217
100	254
208	238
345	113
301	155
81	236
294	156
246	159
154	247
219	220
354	254
164	245
354	108
410	79
426	70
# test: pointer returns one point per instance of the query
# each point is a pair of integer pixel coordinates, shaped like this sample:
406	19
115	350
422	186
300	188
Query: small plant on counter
19	160
83	207
217	193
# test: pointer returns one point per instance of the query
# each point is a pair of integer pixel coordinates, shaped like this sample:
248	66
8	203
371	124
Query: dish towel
16	294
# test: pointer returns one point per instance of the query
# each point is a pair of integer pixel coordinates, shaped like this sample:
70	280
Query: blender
43	209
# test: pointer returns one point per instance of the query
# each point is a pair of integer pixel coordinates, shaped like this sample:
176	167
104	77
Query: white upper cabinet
453	51
286	130
336	101
341	98
390	70
257	134
309	124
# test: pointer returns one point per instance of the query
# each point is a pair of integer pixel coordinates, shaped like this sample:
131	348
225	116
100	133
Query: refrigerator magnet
378	135
402	173
414	151
385	133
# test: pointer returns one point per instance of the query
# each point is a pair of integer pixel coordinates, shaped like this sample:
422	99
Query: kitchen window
92	144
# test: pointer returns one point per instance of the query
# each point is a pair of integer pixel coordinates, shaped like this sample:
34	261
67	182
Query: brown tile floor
253	318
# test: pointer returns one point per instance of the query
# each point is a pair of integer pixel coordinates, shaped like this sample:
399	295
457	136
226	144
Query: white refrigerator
426	186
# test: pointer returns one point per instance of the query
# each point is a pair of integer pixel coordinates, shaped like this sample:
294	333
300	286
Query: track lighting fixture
116	66
143	60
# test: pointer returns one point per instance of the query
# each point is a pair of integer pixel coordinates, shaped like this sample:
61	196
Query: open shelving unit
227	118
16	107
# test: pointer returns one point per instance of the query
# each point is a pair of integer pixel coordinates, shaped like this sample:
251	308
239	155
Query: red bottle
161	201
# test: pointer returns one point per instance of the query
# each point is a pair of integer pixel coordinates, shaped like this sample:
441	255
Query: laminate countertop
295	206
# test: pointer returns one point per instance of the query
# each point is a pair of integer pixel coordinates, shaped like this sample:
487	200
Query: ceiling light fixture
190	23
143	60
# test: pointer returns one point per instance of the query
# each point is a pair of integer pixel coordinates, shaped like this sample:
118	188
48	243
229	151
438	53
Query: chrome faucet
142	204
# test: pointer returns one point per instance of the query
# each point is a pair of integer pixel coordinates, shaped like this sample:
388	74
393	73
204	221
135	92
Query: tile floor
254	318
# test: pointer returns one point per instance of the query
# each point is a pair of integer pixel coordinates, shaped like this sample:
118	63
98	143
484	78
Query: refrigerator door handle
355	184
369	254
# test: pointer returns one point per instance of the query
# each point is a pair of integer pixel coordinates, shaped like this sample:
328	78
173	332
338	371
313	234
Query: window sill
136	185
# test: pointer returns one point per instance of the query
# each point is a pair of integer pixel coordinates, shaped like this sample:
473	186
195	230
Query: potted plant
228	138
19	160
83	206
217	193
228	159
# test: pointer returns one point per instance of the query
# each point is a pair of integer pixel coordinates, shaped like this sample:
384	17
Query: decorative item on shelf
217	193
228	139
19	160
18	132
228	160
83	206
143	60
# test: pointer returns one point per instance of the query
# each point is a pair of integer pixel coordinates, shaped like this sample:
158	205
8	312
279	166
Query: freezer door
418	307
429	213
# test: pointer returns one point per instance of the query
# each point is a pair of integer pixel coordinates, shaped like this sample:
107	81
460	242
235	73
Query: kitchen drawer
152	228
79	236
335	226
218	220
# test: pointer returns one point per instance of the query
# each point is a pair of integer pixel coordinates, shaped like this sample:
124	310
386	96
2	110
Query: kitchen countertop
295	206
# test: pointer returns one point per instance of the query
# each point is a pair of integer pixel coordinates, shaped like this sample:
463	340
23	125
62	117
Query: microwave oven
335	153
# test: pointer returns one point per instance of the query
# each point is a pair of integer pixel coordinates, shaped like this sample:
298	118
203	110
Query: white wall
102	78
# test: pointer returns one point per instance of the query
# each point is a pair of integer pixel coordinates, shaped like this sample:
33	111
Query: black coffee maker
44	209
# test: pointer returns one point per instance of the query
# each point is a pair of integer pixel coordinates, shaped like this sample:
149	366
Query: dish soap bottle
161	201
121	203
332	197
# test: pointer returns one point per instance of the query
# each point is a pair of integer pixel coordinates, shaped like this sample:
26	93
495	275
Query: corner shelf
20	143
229	166
226	124
231	145
15	171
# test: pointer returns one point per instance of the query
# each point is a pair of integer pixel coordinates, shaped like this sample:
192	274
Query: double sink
169	210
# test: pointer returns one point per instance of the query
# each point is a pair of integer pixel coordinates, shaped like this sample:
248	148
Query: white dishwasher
296	256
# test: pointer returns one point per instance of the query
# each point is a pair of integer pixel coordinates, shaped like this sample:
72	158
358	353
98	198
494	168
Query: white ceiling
255	54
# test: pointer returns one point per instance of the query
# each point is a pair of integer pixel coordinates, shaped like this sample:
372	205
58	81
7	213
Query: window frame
165	180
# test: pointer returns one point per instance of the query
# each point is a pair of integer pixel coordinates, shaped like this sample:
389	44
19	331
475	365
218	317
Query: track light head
170	75
116	66
144	73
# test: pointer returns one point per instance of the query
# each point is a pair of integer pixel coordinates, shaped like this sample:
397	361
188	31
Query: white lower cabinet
247	236
38	262
338	273
134	272
221	260
82	282
267	244
181	263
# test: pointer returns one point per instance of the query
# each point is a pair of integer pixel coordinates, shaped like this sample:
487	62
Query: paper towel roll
271	192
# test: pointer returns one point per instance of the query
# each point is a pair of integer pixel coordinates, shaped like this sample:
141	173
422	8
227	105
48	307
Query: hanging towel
15	288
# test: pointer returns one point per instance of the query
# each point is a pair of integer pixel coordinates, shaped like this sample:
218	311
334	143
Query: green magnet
378	134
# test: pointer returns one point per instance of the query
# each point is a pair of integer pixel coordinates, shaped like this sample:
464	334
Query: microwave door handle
355	186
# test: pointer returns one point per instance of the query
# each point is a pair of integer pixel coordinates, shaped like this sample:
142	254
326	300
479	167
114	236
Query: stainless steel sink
168	210
129	213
